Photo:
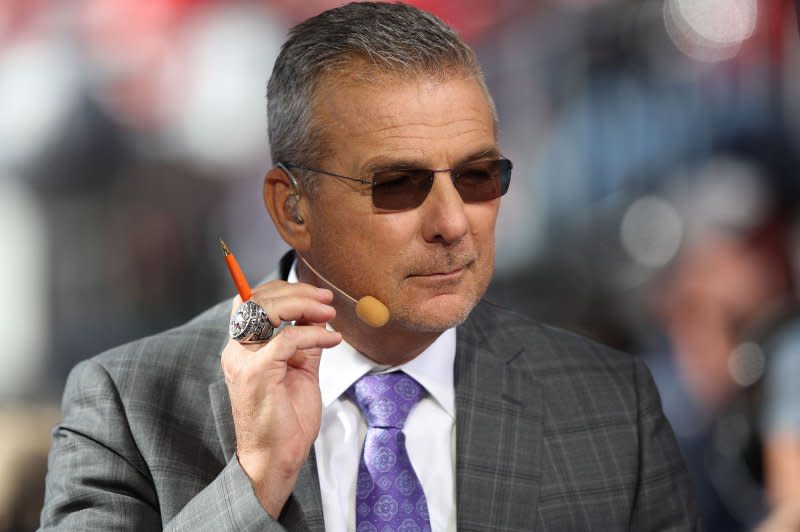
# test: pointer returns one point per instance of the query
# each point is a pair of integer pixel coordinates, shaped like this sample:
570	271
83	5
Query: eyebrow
383	163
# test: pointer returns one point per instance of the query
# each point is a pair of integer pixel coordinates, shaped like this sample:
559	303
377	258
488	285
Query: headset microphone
368	308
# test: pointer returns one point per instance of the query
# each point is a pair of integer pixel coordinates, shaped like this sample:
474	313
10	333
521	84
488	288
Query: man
387	183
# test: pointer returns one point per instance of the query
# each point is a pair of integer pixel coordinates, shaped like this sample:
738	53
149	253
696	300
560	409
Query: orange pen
236	273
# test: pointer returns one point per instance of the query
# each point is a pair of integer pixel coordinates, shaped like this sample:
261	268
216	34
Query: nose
444	216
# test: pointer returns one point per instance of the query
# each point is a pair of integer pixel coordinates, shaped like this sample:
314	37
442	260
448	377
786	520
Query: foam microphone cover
372	312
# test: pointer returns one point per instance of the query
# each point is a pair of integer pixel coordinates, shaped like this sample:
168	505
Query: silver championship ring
250	324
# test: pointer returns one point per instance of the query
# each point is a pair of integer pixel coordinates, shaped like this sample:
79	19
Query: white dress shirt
430	431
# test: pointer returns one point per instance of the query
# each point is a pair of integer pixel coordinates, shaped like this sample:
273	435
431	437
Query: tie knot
386	399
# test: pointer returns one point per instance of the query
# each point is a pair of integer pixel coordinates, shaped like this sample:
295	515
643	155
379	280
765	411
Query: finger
280	300
279	288
293	308
306	359
293	339
303	323
280	348
235	354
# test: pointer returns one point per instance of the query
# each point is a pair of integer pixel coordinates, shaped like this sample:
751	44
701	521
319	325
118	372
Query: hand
274	388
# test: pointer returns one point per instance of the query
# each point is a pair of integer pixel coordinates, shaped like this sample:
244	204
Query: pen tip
225	249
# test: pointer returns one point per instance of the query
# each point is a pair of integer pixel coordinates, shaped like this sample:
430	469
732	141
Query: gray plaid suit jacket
553	431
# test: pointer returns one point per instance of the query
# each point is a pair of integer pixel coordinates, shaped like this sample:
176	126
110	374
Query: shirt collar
342	365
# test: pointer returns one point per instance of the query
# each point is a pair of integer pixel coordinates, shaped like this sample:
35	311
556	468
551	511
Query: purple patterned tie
389	496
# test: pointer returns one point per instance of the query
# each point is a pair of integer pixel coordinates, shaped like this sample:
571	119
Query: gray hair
387	38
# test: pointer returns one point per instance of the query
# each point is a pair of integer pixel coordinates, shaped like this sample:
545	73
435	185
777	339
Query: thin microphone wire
310	267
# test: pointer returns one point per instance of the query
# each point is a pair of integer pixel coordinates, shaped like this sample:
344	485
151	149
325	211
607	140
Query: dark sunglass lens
483	180
504	168
397	190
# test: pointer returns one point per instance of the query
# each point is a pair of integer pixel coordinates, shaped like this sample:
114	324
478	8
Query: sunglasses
403	188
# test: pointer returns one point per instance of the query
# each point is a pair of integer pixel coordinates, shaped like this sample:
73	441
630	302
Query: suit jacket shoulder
171	363
147	440
563	432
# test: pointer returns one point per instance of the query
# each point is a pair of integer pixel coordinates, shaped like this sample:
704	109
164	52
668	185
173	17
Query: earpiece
291	208
293	199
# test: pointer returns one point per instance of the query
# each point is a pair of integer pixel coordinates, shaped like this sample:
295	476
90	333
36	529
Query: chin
437	318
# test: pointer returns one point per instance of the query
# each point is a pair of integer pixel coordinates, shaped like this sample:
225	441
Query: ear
288	208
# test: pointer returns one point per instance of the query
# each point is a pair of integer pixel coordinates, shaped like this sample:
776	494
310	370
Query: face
428	264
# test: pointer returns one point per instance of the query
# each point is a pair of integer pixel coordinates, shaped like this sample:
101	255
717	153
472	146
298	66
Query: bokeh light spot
651	231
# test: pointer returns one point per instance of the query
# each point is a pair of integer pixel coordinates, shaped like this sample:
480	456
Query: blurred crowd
654	203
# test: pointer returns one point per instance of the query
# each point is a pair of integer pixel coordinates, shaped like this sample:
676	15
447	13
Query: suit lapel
498	431
223	419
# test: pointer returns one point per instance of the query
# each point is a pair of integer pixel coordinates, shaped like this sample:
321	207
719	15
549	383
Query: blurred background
653	204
